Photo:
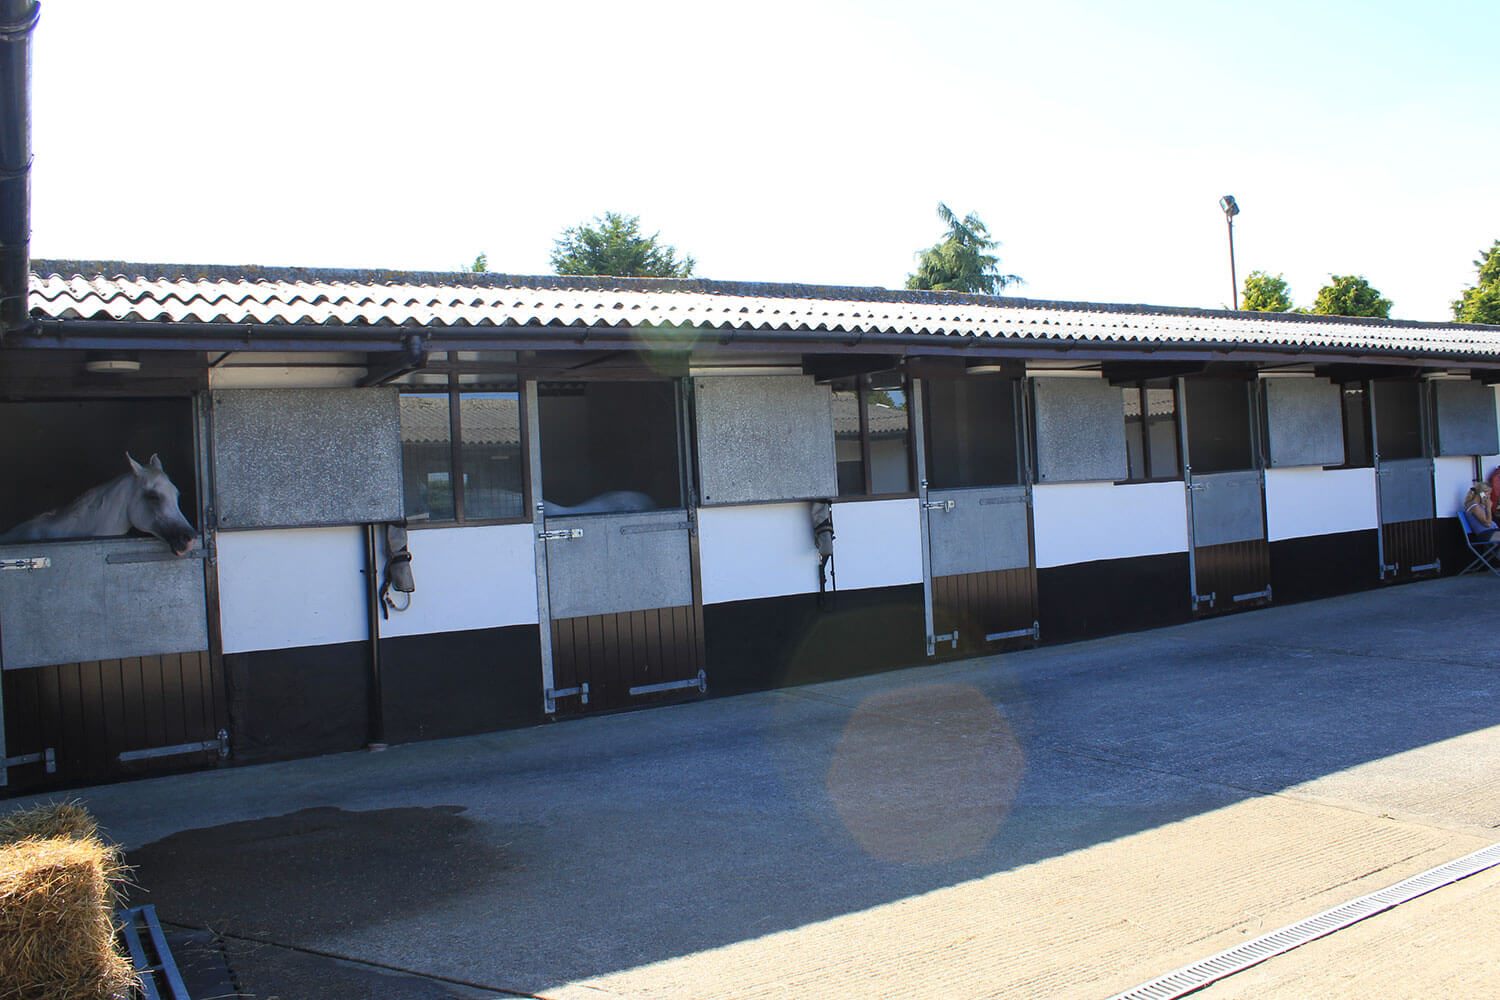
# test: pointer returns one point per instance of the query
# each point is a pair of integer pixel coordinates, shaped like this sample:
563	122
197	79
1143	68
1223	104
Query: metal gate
1229	556
1402	434
979	571
619	608
1408	529
107	665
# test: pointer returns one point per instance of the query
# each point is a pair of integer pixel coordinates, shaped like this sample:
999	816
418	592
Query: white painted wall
764	550
292	587
1451	478
1082	522
468	578
1311	501
878	543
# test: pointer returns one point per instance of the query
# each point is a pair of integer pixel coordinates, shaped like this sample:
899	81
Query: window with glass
872	435
1152	450
609	446
971	432
461	453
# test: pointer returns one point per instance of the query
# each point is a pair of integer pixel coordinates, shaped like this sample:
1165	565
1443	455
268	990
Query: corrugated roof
148	293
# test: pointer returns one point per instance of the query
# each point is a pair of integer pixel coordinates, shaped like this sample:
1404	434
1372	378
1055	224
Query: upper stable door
1229	558
621	624
1403	477
980	580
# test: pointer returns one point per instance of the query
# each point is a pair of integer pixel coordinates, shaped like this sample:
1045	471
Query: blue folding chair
1486	550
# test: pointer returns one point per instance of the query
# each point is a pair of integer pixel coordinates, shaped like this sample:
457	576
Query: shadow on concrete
530	858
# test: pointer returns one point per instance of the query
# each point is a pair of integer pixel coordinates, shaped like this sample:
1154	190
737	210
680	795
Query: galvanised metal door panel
979	529
1227	507
1405	490
611	563
101	599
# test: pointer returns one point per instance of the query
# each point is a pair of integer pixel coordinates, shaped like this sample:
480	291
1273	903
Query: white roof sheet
172	293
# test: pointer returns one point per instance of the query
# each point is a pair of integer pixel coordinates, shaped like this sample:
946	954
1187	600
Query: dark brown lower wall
287	703
1305	569
785	641
1085	600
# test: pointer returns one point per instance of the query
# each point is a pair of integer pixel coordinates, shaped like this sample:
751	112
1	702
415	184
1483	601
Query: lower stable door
624	626
983	581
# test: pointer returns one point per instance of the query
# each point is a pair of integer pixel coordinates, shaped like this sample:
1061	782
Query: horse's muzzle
182	546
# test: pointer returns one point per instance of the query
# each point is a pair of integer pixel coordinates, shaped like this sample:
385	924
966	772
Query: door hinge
700	682
933	640
1033	632
558	534
550	696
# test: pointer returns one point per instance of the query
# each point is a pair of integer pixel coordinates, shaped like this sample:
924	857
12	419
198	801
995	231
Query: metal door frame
1424	423
1254	407
1021	408
687	483
201	402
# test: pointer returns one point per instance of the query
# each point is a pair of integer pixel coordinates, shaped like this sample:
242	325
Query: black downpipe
376	694
17	21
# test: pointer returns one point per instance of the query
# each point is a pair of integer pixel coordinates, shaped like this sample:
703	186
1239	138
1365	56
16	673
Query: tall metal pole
1234	282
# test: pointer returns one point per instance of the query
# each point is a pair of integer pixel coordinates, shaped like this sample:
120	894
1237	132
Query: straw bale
57	901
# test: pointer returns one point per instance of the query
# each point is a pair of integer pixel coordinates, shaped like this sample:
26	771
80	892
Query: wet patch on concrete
315	872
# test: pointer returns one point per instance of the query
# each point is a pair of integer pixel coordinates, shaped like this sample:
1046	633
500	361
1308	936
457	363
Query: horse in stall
612	502
143	499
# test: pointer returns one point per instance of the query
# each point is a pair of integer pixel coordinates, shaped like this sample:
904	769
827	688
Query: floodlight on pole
1231	209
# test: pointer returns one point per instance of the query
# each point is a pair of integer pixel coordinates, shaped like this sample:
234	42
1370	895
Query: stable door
621	623
980	573
1404	480
1229	564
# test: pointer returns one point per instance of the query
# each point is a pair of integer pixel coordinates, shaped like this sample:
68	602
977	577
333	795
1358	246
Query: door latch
32	562
942	505
558	534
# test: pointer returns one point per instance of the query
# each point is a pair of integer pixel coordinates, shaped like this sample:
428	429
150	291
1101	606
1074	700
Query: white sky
805	141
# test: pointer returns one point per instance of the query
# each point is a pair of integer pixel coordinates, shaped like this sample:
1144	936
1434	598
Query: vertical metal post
1187	486
1380	562
376	695
539	525
1234	282
919	446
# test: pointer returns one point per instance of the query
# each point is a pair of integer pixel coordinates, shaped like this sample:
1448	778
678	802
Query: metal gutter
17	21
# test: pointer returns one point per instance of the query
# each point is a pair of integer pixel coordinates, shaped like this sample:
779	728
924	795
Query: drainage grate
1226	963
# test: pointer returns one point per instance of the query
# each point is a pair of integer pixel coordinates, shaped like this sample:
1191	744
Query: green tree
613	245
962	261
1481	304
1264	293
480	265
1349	295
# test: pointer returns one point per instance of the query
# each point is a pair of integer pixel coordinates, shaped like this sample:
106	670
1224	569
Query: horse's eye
153	496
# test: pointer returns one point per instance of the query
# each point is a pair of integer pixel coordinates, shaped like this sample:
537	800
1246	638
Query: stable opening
55	451
971	432
609	446
1398	419
1219	426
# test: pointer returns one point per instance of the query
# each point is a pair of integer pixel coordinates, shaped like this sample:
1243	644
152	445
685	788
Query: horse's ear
156	461
134	465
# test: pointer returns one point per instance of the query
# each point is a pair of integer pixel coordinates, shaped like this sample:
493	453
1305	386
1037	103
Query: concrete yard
1064	822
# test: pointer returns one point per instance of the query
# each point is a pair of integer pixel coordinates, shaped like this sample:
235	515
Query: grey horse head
154	509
